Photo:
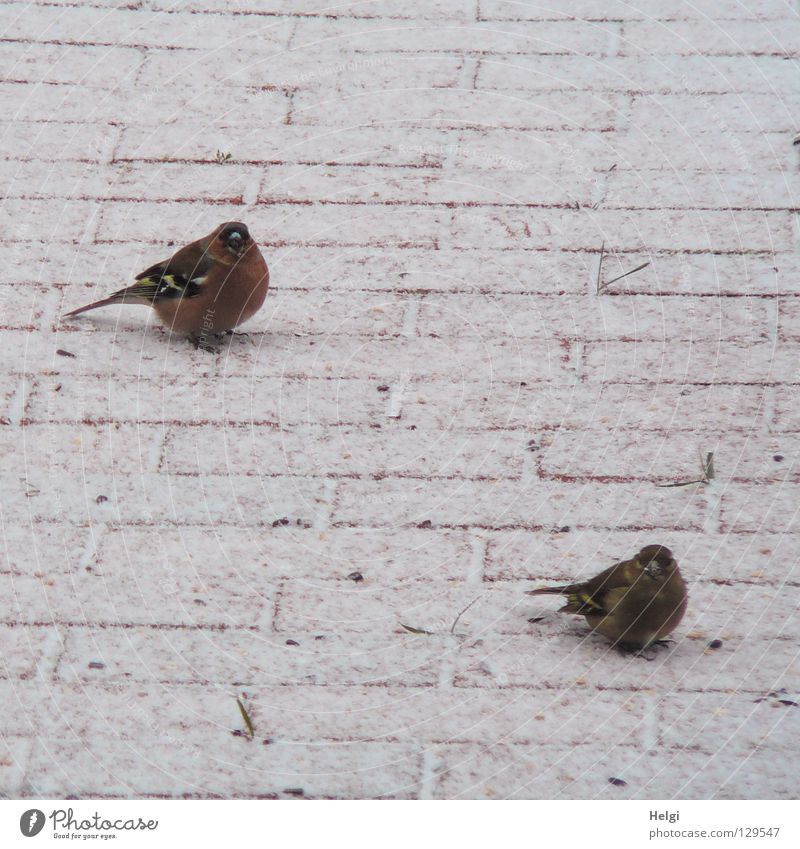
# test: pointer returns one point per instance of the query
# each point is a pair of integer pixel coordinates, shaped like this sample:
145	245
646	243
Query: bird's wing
592	596
178	277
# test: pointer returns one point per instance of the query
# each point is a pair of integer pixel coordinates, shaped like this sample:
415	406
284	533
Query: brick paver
435	409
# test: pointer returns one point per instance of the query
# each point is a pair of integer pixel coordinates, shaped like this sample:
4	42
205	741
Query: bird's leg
647	652
636	650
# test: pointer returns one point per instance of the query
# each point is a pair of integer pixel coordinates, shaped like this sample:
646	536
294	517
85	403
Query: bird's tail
549	591
578	599
124	296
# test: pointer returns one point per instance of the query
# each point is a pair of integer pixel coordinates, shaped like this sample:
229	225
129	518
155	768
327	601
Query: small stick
706	467
455	621
626	274
246	717
600	267
416	630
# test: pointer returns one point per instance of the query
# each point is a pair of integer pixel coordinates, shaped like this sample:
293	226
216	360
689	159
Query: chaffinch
635	603
208	287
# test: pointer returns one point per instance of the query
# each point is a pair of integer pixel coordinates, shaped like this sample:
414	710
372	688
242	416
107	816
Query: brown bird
207	288
635	603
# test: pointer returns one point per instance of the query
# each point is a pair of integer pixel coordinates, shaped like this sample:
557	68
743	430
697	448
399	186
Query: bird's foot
647	652
234	333
202	343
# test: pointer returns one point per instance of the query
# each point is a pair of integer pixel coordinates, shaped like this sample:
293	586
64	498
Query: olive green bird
635	603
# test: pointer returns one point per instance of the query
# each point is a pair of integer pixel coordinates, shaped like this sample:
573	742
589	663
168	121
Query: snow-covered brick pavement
435	410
